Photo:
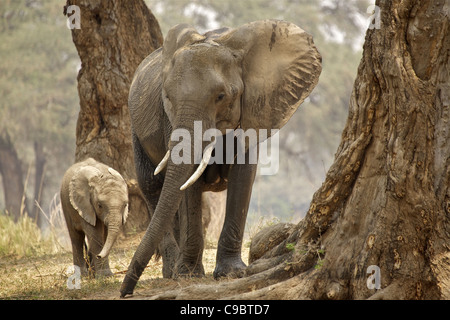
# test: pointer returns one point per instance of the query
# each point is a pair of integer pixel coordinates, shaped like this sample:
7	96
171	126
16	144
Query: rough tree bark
115	36
386	199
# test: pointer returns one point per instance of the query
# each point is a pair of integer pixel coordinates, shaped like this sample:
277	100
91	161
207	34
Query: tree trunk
12	177
384	206
385	201
115	36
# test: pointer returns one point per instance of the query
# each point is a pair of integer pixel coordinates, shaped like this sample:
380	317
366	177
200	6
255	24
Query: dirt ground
46	277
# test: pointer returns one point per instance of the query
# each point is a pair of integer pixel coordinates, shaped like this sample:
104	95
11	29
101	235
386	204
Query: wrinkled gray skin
252	77
94	198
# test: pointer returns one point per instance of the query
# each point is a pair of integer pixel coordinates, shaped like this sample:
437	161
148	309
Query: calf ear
116	174
80	189
280	68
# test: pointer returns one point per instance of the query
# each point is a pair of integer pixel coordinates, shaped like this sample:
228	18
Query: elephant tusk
163	163
103	253
200	169
101	256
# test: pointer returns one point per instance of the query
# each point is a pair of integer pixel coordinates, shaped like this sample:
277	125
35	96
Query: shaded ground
45	277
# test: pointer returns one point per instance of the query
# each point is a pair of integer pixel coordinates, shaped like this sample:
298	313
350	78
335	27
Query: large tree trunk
385	201
115	36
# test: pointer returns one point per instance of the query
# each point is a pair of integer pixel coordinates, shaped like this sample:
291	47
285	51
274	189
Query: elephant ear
116	174
80	188
280	68
179	36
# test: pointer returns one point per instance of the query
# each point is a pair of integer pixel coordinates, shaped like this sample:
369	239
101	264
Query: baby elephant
94	200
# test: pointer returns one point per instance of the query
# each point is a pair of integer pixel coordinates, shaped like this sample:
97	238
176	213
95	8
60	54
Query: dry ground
45	276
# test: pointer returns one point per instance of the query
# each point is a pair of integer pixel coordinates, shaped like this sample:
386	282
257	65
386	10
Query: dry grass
22	238
33	267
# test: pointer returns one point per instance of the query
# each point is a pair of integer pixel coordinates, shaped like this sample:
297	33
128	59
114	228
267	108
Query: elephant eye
220	97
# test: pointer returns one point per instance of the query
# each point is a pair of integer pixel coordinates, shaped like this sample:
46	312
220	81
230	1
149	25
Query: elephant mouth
215	177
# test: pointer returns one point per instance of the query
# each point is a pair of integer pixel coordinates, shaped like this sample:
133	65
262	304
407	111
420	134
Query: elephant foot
84	272
103	273
100	268
189	270
231	267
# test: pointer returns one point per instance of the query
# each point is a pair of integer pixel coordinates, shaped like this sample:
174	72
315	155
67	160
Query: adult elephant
251	77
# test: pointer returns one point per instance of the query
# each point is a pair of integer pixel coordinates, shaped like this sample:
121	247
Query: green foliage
38	84
290	246
319	262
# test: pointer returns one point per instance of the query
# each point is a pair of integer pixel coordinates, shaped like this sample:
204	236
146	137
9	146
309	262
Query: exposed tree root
267	278
227	289
282	290
390	292
406	289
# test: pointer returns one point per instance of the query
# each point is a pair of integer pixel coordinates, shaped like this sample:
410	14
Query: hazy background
39	101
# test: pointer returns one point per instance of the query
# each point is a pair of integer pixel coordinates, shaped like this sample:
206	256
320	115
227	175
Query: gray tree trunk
16	203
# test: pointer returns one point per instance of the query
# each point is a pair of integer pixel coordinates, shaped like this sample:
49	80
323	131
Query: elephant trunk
113	233
168	204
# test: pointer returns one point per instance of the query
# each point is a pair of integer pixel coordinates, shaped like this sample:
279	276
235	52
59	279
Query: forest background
39	101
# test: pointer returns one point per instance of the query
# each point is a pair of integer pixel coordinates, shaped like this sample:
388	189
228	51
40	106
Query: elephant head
100	195
251	77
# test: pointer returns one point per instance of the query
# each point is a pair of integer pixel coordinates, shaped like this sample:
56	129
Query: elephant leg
228	259
102	267
189	262
96	240
77	239
151	186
